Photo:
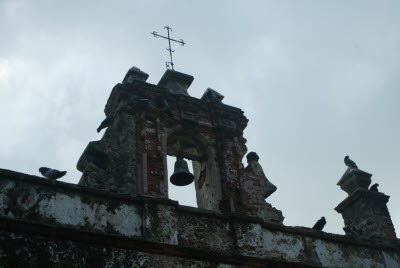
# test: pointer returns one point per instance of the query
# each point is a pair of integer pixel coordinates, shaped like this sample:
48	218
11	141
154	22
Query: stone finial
210	95
353	179
256	188
364	211
133	74
176	82
252	156
255	169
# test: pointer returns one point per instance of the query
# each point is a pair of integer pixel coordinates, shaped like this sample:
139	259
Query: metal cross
155	34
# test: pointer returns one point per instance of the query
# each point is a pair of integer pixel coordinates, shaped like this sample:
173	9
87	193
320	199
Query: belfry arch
192	146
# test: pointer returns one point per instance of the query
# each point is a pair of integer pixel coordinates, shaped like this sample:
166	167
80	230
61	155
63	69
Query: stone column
365	213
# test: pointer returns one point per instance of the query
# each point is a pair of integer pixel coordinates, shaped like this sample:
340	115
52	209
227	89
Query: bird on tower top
350	163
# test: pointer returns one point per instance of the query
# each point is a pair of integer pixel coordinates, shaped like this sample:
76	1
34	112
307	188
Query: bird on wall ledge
319	225
350	163
51	174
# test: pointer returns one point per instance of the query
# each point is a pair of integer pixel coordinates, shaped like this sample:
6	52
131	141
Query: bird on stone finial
106	123
51	174
374	187
350	163
319	225
252	156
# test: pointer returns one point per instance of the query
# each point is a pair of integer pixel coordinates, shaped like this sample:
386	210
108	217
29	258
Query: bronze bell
182	175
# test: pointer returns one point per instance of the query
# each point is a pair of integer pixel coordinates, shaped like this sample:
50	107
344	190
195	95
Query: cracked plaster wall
32	199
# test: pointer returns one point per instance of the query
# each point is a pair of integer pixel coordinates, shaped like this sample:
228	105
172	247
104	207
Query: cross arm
178	41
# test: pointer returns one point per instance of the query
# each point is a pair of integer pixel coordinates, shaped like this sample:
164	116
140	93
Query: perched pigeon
350	163
106	123
51	174
319	225
374	187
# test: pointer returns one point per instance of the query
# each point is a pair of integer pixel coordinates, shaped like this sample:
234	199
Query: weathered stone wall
106	168
26	250
47	202
55	223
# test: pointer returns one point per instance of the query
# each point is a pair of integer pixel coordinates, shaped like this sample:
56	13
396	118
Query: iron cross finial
155	34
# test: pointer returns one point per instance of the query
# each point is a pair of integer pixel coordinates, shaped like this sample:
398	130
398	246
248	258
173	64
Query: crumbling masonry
119	214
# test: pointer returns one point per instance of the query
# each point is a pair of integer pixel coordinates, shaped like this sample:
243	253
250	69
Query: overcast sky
317	79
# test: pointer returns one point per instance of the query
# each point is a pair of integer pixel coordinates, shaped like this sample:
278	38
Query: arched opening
192	151
185	195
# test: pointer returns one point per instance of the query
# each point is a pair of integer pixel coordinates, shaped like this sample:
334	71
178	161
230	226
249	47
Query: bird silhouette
350	163
319	225
106	123
51	174
374	187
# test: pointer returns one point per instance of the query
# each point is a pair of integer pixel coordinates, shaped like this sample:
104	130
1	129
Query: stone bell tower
150	122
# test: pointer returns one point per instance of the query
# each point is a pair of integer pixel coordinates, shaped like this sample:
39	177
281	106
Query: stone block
367	212
354	179
176	82
160	223
210	95
134	74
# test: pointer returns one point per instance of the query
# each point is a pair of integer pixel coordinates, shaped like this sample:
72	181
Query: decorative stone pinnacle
353	179
210	95
134	74
176	82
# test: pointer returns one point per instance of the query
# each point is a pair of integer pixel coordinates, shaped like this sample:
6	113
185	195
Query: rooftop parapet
49	223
